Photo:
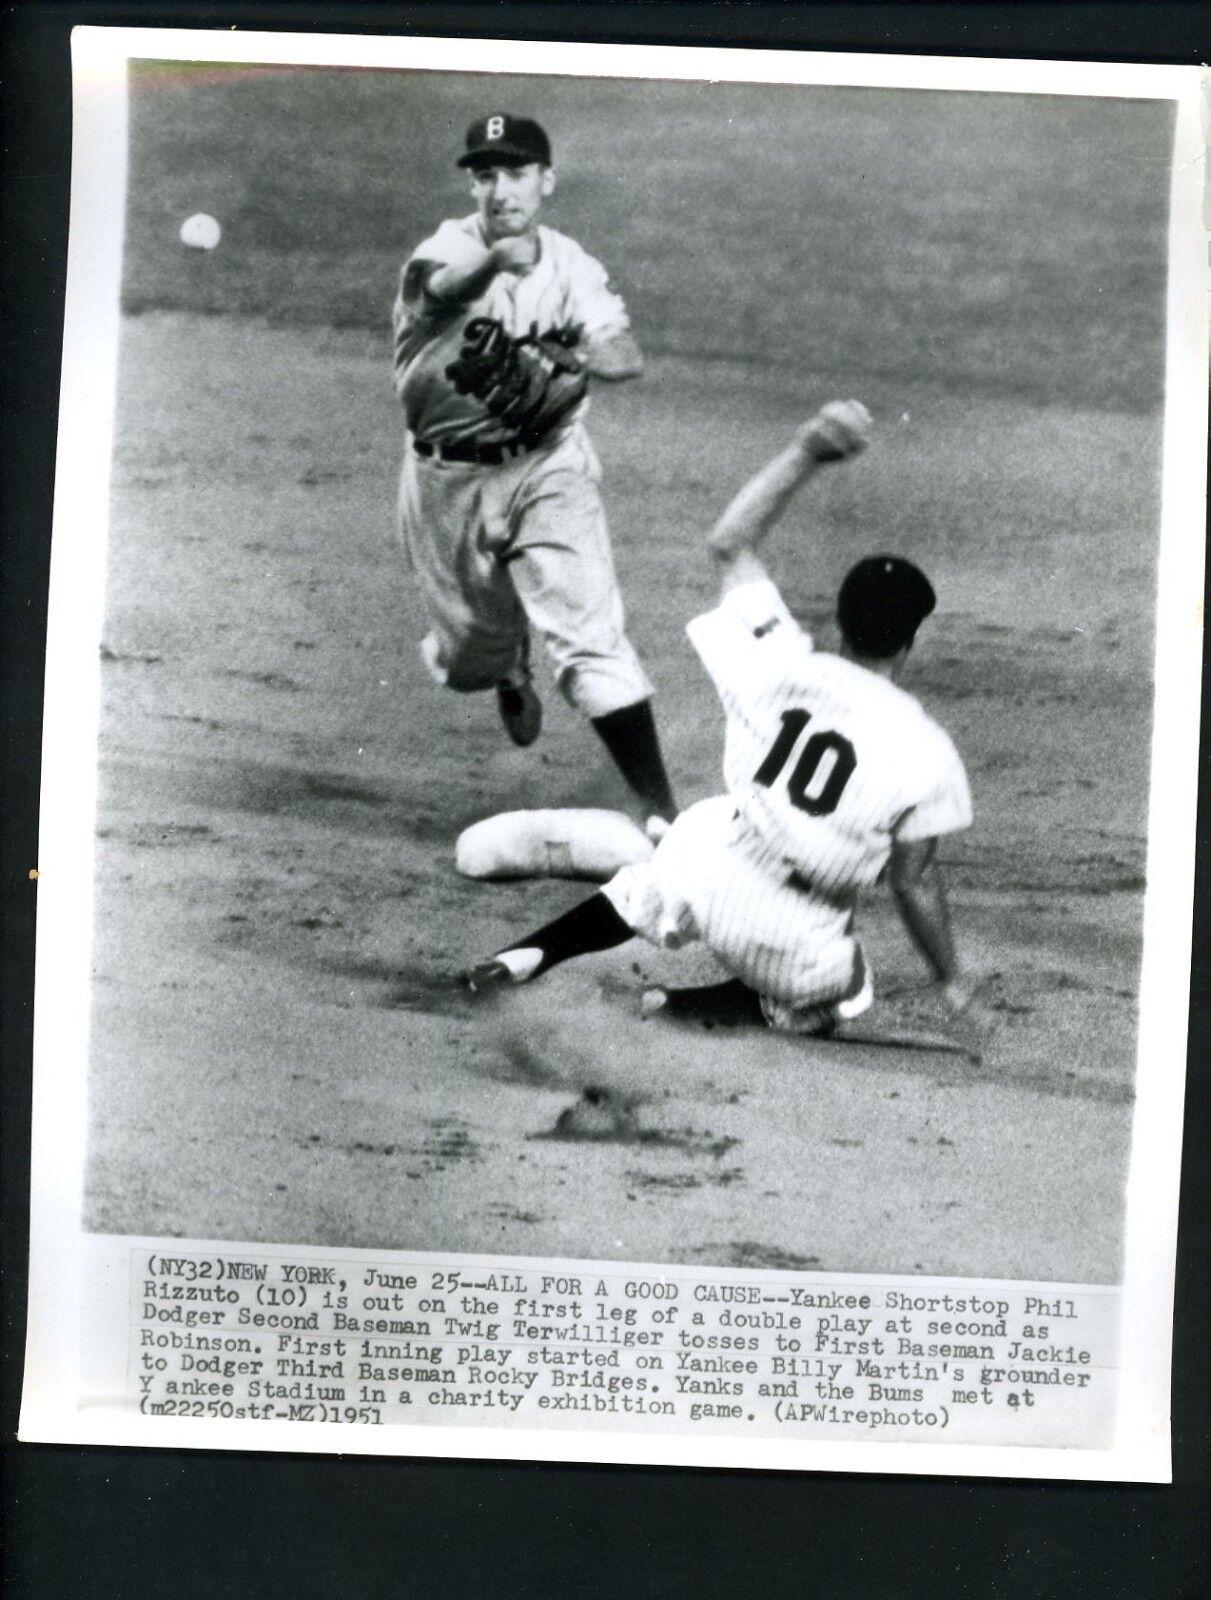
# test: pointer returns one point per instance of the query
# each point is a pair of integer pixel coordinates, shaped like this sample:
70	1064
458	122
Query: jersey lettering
816	784
565	292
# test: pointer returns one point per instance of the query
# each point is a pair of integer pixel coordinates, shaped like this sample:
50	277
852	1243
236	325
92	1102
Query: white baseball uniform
826	764
496	545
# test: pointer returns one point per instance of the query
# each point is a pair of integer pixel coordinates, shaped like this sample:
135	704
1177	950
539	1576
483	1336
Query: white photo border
100	57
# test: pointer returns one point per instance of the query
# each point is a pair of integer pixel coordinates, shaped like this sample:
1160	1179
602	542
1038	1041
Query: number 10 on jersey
816	782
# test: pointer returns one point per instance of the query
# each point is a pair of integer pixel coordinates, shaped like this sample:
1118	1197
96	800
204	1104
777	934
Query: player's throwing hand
515	253
839	429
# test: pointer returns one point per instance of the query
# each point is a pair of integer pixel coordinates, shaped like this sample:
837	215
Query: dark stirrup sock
629	734
591	926
729	1004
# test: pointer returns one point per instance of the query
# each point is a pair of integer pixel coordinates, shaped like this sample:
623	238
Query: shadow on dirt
333	798
400	985
603	1115
445	1142
758	1257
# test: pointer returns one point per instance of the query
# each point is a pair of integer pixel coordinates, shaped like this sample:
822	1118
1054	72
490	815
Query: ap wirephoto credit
622	712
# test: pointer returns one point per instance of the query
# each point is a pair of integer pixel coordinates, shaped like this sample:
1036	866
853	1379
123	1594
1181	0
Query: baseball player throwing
499	323
834	776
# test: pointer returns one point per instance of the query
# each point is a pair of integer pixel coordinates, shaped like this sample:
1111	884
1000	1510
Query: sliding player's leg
591	926
653	898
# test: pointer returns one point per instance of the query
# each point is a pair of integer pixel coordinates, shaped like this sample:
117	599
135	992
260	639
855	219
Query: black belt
843	899
481	455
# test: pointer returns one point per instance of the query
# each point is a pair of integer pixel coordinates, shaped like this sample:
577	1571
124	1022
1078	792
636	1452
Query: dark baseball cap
882	603
505	140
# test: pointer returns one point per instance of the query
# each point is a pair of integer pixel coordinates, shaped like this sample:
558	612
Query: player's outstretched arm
468	277
838	431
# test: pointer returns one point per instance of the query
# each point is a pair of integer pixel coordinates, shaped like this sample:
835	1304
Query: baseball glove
530	384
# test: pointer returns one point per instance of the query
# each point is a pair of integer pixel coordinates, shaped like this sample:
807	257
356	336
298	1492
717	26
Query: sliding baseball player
835	777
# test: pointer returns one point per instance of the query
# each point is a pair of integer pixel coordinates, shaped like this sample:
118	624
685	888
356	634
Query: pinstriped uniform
825	765
496	546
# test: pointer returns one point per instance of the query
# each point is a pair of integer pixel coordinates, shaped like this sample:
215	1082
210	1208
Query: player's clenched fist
839	429
514	253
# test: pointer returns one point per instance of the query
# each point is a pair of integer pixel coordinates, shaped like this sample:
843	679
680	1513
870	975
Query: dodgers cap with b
882	603
505	139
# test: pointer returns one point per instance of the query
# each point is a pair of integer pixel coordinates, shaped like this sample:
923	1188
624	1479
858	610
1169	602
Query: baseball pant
712	880
499	549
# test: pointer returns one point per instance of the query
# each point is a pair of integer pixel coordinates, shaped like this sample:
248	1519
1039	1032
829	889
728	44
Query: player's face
510	198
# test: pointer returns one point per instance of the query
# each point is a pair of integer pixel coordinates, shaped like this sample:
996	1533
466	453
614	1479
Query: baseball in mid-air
200	232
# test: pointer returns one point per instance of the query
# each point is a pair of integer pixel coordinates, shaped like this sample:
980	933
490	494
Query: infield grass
992	244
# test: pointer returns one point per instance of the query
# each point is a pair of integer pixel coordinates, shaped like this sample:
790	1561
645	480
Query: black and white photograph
642	701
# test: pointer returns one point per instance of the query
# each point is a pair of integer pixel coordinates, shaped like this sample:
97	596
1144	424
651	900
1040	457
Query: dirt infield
280	1051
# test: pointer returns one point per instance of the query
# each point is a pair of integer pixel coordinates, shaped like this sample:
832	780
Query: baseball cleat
804	1022
520	711
488	975
510	966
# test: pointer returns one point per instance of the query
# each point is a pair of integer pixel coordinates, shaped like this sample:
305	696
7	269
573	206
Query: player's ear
548	182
